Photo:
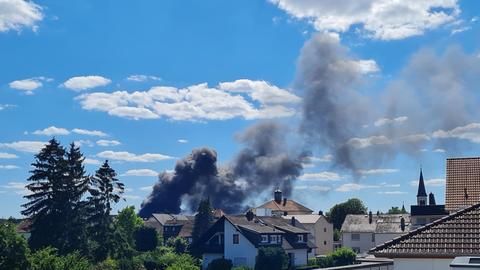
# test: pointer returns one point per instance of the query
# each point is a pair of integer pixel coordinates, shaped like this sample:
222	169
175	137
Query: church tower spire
422	193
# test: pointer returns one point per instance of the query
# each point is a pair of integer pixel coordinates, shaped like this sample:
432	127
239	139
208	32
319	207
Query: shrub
48	259
271	258
243	267
324	262
108	264
220	264
146	239
343	256
14	250
179	244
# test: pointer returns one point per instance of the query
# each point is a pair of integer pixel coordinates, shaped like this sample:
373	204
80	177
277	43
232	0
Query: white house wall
300	256
364	243
421	264
243	251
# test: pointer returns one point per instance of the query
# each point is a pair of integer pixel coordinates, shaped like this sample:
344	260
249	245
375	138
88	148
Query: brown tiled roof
448	237
463	176
289	206
187	229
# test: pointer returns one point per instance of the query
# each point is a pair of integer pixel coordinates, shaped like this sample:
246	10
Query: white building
435	245
363	232
238	239
321	231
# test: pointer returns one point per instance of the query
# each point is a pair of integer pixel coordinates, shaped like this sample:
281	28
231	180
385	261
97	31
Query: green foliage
146	238
324	262
48	259
167	259
179	244
203	221
127	222
338	212
271	258
397	210
243	267
337	234
220	264
14	251
108	264
343	256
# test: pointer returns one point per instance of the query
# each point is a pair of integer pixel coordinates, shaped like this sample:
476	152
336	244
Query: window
300	238
273	239
324	243
373	237
264	238
236	239
324	229
355	237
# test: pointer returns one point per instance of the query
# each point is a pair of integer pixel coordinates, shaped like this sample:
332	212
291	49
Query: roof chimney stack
284	201
402	224
431	199
320	213
370	217
249	215
278	196
293	221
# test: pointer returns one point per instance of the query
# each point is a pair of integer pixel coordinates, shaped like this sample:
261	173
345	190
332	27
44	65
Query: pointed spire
421	186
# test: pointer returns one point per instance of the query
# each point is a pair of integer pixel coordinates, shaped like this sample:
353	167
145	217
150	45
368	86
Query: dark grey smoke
435	92
264	163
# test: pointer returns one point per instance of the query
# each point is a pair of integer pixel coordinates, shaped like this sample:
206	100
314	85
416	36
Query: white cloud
321	176
18	14
413	138
182	141
196	102
6	106
131	197
439	150
8	167
365	66
378	19
354	187
377	171
143	78
24	146
89	132
146	188
29	85
313	188
388	121
470	132
91	161
7	155
19	188
323	159
369	141
141	172
108	142
395	192
52	131
129	157
83	143
85	82
435	182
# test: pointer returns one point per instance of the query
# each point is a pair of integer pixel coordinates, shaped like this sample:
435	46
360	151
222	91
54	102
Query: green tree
146	238
105	190
337	234
179	244
343	256
220	264
48	198
271	258
397	210
338	212
14	250
203	221
127	222
48	259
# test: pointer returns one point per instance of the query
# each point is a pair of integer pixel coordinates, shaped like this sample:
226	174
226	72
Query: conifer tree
203	221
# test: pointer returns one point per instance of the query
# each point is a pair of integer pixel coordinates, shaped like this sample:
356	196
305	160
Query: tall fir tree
47	197
105	190
203	221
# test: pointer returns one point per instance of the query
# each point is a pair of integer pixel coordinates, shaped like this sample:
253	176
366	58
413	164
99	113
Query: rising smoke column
265	163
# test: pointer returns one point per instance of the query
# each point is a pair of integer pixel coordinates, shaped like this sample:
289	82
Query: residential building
435	245
363	232
321	231
280	206
423	213
462	183
168	225
238	238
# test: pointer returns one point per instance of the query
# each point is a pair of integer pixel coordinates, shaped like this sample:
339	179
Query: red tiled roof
448	237
289	206
463	178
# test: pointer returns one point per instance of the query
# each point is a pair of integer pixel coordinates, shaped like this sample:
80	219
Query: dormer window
264	238
300	238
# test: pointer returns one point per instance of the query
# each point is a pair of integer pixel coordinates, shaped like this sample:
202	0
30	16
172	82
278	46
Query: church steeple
422	193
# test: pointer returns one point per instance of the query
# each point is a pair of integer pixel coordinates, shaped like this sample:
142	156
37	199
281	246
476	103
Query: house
282	206
238	238
462	183
435	245
363	232
321	231
424	213
168	225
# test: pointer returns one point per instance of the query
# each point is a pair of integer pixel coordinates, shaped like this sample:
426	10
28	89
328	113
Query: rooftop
448	237
462	182
286	206
380	223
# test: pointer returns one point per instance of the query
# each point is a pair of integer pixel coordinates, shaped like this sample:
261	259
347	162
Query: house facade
321	231
169	225
363	232
238	239
437	244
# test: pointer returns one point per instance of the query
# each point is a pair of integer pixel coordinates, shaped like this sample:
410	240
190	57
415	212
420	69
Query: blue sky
87	71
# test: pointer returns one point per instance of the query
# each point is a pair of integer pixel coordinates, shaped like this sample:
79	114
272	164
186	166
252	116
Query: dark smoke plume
264	163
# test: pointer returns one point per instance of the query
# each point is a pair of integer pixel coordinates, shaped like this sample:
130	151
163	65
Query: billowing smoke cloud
264	163
431	103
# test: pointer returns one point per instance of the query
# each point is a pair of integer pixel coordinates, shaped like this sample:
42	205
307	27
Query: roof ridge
424	228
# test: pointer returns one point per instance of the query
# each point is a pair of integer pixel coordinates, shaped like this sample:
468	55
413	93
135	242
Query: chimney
402	224
249	215
431	199
285	213
370	217
284	201
320	213
293	221
278	196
